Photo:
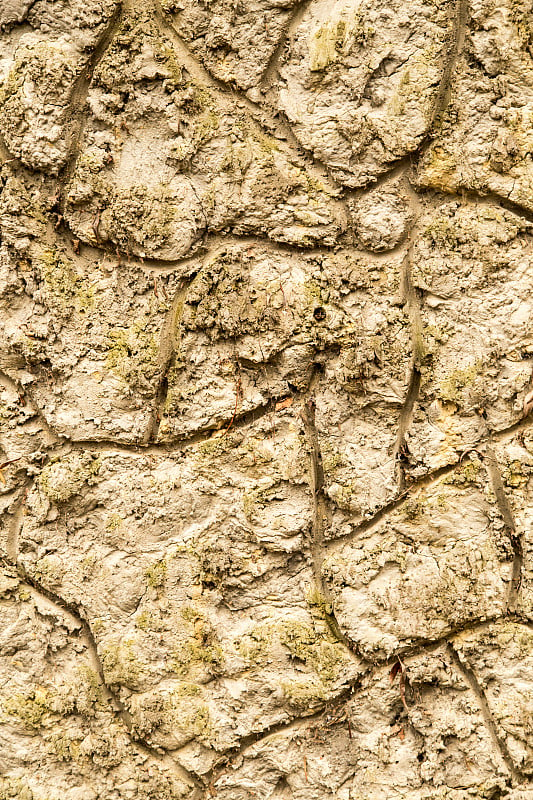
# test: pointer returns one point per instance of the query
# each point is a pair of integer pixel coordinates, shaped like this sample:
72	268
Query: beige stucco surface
266	445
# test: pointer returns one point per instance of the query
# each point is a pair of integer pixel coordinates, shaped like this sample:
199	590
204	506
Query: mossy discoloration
33	708
133	352
458	380
202	649
63	283
304	693
13	788
64	478
121	664
326	658
185	708
156	574
517	474
472	472
321	656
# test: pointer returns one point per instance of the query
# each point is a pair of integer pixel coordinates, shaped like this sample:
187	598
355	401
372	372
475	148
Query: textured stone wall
266	452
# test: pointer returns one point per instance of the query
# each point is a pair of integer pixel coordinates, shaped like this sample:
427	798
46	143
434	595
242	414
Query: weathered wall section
266	452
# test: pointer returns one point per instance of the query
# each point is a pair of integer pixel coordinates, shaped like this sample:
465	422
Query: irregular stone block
434	564
483	138
235	41
361	81
515	464
60	731
472	265
363	387
79	326
501	658
382	217
44	75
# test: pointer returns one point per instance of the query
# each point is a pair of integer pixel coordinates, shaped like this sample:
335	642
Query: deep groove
208	244
406	416
79	95
272	67
410	297
445	88
411	651
472	681
11	559
320	516
295	723
166	360
427	480
179	444
12	548
502	501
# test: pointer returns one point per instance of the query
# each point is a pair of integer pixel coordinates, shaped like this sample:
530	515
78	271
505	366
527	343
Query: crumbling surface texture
266	352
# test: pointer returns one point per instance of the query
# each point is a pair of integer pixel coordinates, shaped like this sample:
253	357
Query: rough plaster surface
266	349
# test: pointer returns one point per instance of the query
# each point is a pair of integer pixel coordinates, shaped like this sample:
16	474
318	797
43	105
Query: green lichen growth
87	565
133	352
143	621
114	522
331	461
218	445
89	695
156	574
66	746
322	655
33	708
466	473
66	287
335	39
190	714
317	602
304	693
17	789
516	474
326	658
452	386
120	664
188	690
49	570
442	232
64	478
201	649
182	711
255	646
347	496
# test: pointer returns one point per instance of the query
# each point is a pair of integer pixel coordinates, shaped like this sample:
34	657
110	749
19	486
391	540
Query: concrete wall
266	342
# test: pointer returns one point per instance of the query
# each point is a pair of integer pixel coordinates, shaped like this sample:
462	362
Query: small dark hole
420	757
319	314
